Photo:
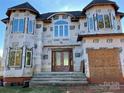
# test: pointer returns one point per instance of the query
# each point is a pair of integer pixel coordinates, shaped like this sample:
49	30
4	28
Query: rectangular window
58	58
18	25
18	58
56	31
100	22
21	25
107	21
65	30
61	30
11	58
15	25
66	58
15	58
91	23
28	57
30	26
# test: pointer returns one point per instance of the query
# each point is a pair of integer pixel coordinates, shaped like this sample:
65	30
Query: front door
62	60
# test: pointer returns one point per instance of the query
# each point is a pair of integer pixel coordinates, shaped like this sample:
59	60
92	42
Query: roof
23	6
101	2
47	16
5	20
99	35
73	13
120	14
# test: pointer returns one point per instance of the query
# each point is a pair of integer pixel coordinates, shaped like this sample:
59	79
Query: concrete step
59	73
58	78
38	83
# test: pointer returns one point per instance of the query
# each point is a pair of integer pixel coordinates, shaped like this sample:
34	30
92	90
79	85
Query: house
74	47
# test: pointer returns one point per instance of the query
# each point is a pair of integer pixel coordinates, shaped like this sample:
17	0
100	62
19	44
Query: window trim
63	25
31	59
59	31
107	18
18	25
33	24
15	49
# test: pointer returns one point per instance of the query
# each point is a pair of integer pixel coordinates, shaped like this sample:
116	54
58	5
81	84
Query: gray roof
73	13
24	6
101	2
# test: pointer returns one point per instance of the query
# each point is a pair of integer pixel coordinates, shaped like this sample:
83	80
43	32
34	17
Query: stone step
59	79
59	76
35	83
59	73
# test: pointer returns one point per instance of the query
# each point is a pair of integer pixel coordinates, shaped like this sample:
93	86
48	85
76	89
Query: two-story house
72	47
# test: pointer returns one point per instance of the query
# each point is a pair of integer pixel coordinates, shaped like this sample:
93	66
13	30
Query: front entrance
62	60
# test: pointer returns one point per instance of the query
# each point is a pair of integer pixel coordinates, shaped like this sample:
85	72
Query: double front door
62	60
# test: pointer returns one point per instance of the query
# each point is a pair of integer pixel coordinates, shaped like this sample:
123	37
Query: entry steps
58	78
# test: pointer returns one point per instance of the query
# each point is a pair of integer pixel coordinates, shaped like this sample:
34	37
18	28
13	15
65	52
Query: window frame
91	23
18	25
28	21
64	29
15	56
31	57
107	16
100	19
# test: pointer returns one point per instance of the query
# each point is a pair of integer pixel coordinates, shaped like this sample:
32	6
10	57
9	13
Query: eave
80	37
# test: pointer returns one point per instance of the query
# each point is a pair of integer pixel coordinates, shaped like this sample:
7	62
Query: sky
44	6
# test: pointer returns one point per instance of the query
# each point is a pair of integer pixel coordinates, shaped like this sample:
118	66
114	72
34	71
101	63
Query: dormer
103	17
21	18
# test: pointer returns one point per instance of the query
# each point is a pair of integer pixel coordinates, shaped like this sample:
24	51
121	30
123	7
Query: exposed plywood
104	65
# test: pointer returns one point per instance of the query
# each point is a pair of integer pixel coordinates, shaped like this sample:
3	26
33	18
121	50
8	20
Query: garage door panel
104	65
95	75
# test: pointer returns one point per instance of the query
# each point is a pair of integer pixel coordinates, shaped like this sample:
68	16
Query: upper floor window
18	25
91	23
15	58
30	26
100	22
103	21
61	29
107	21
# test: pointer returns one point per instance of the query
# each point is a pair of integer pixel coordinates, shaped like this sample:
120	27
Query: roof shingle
25	6
100	2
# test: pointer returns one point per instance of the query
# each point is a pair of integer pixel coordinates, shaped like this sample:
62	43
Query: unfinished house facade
74	47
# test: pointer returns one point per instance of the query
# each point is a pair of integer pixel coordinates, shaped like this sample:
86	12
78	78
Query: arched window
61	29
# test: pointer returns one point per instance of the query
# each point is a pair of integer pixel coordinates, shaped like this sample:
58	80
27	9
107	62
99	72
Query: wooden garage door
104	65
